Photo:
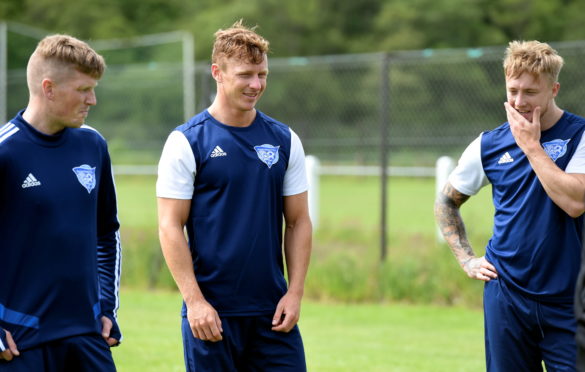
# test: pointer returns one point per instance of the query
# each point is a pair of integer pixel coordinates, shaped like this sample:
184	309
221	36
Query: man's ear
556	88
216	72
48	88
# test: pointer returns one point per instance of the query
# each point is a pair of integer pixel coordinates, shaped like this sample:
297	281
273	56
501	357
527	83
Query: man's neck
552	116
230	116
40	121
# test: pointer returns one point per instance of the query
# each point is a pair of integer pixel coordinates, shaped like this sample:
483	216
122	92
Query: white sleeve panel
176	168
577	162
295	178
468	177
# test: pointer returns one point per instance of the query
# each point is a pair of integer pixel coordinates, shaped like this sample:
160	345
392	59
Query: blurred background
377	90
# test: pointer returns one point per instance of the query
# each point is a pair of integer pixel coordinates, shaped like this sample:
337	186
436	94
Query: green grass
350	204
354	202
137	202
358	314
345	263
337	337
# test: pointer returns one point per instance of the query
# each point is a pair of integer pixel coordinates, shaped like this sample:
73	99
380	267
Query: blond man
535	163
230	175
58	221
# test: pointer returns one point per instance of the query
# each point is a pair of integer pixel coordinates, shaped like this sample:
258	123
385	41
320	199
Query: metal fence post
188	76
384	144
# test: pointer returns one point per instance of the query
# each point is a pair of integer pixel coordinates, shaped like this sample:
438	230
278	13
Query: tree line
314	27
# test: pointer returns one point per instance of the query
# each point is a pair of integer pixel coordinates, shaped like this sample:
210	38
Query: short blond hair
534	57
239	42
56	54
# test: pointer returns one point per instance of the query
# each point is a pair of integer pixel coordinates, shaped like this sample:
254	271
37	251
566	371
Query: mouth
525	113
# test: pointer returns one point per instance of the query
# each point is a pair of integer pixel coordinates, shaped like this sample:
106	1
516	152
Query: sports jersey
60	243
236	178
535	245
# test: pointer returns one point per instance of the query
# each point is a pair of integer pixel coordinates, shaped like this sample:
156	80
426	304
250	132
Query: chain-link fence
348	109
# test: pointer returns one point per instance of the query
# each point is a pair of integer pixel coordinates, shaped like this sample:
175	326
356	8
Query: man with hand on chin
535	163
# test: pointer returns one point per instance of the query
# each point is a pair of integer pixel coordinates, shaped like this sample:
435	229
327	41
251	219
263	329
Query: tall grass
346	262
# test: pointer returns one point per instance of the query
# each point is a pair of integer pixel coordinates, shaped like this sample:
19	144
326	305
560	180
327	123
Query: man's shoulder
272	121
8	133
275	126
88	135
192	124
89	131
497	132
574	119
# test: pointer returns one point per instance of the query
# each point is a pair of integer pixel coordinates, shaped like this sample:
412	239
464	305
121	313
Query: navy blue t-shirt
236	178
535	245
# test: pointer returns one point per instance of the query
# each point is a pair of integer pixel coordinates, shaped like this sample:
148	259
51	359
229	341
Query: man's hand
287	313
106	329
526	133
11	349
204	321
479	268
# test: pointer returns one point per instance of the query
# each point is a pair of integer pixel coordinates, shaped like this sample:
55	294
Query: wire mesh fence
347	109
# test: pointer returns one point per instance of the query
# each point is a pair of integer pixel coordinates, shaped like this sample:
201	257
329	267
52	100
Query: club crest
556	148
86	176
268	154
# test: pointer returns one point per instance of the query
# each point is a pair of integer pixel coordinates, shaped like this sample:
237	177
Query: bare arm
567	190
297	250
452	227
203	318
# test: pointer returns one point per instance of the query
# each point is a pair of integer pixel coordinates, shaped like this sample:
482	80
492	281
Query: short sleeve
295	178
577	162
468	177
176	168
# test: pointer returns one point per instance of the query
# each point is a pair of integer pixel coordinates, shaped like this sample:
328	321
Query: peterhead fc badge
556	148
86	176
268	154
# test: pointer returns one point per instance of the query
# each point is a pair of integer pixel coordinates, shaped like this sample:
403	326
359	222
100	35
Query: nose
255	83
519	100
91	99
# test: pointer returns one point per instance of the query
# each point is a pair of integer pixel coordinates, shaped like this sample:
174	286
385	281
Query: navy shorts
521	333
248	345
85	353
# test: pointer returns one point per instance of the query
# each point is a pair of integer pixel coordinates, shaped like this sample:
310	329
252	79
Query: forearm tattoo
451	224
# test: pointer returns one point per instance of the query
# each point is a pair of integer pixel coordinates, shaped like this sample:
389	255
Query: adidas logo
217	151
30	181
506	158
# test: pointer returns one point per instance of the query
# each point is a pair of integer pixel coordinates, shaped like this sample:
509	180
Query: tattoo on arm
451	224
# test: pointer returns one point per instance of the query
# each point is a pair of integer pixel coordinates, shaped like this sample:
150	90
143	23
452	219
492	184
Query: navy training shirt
60	244
536	246
236	178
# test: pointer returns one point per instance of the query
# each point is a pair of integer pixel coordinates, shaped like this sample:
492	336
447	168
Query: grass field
337	337
346	203
359	314
345	261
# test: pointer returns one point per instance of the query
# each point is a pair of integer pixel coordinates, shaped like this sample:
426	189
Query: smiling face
525	92
240	83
